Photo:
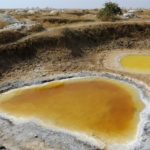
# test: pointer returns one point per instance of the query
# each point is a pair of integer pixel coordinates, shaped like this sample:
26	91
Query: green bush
109	12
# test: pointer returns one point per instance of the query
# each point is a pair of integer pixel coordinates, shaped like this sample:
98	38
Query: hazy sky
71	3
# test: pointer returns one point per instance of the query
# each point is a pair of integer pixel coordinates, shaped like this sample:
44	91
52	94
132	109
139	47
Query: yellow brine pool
136	63
100	107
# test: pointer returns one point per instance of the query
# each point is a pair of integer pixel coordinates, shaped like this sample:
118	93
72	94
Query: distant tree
109	12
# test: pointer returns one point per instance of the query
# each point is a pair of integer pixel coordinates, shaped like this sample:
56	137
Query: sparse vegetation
43	44
36	28
70	32
144	14
10	36
74	41
2	24
109	12
63	20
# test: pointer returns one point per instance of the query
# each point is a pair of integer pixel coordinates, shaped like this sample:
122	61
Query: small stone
2	147
36	136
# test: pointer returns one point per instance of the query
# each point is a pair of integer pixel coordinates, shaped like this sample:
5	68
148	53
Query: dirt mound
76	40
63	20
10	36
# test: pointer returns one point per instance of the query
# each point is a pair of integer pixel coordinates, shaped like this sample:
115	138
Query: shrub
2	24
109	12
36	28
10	36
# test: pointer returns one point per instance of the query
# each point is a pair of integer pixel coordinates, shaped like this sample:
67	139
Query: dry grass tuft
10	36
144	14
36	28
3	24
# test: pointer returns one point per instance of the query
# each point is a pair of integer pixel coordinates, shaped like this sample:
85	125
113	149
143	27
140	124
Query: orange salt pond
107	109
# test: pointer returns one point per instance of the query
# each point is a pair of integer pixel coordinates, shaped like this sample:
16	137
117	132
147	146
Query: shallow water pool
103	108
136	63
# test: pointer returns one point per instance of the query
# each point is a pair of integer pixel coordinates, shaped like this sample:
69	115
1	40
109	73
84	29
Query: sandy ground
30	134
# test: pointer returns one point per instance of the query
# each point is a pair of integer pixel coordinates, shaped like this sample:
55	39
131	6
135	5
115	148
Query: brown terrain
64	44
67	49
